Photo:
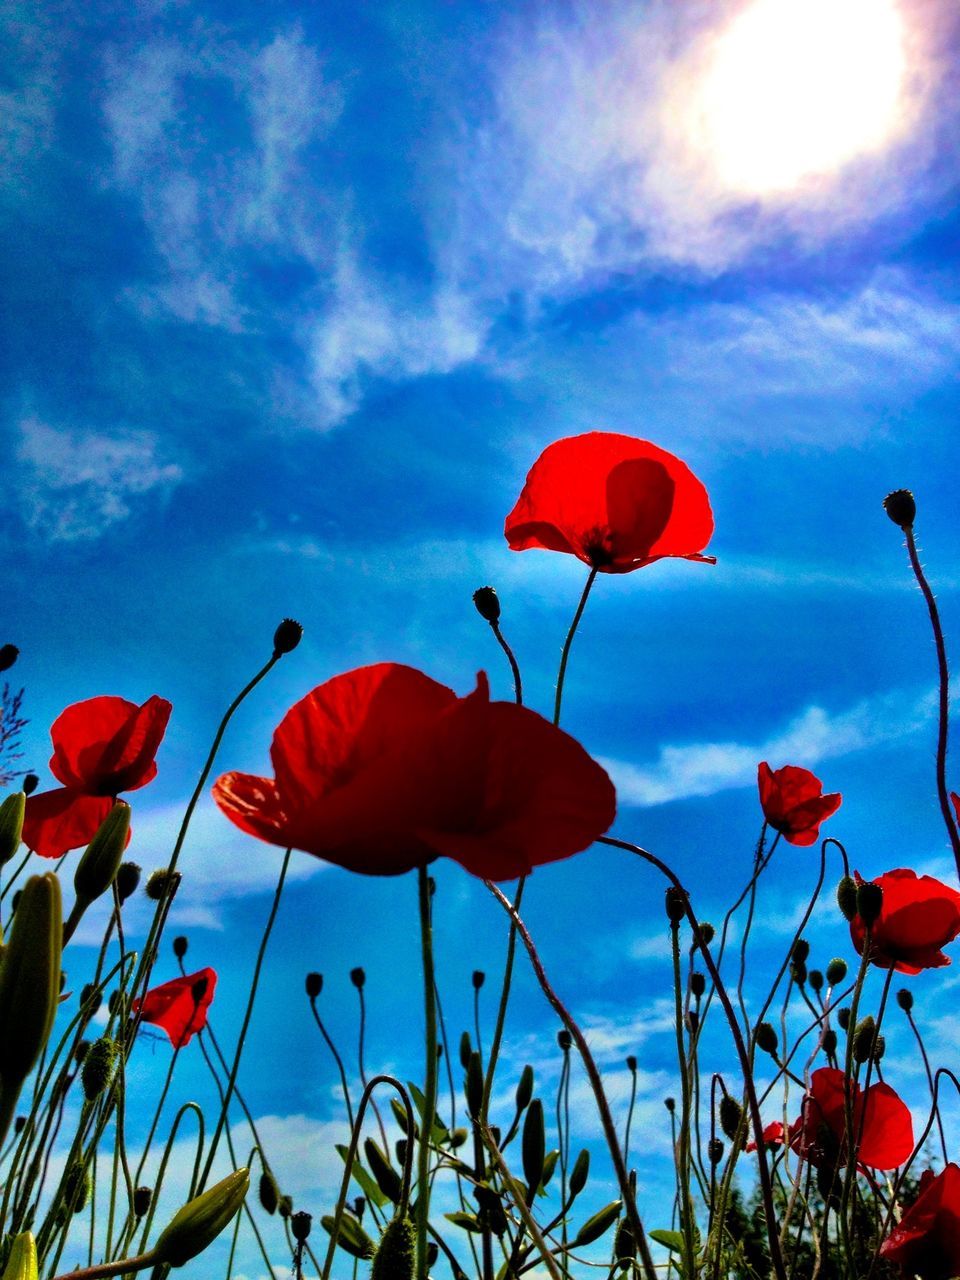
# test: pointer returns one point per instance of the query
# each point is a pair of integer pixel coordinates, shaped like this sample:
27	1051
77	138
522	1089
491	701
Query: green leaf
466	1221
438	1132
672	1240
363	1179
351	1238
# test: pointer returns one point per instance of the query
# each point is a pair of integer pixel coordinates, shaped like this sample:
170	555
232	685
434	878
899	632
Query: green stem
102	1269
683	1144
568	642
430	1083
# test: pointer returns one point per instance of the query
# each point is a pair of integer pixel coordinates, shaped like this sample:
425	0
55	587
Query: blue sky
292	299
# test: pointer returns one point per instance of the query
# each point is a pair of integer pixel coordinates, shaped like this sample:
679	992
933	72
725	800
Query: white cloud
75	484
704	768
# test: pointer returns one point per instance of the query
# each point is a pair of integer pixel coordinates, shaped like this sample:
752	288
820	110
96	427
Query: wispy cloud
75	484
704	768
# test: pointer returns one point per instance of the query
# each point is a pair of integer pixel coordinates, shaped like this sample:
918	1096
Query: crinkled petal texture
615	502
56	821
179	1007
880	1117
106	745
383	769
918	917
793	802
926	1242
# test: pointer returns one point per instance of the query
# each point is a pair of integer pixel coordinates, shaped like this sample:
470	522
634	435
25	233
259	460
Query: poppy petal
179	1007
104	745
56	821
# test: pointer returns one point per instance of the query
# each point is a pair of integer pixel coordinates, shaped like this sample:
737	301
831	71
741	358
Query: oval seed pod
534	1145
524	1089
201	1220
473	1086
731	1114
387	1178
351	1237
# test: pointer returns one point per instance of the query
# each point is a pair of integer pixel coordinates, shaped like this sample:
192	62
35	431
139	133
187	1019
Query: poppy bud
705	933
100	861
142	1198
843	1018
816	980
731	1114
314	985
29	981
905	999
201	1220
400	1148
465	1050
631	1063
285	1206
579	1173
162	884
395	1258
600	1223
863	1038
901	508
358	978
624	1244
76	1188
487	603
117	1003
801	950
90	1000
715	1150
457	1138
869	902
698	984
473	1086
765	1037
128	878
533	1147
180	945
829	1042
269	1192
798	972
879	1047
524	1089
97	1071
30	783
11	825
359	1205
286	637
479	977
433	1253
300	1225
676	902
836	971
564	1039
670	1104
847	896
9	653
22	1259
81	1051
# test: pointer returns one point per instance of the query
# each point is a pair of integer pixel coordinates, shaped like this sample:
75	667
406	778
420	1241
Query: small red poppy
772	1136
880	1117
615	502
793	802
926	1242
918	916
383	769
179	1007
100	747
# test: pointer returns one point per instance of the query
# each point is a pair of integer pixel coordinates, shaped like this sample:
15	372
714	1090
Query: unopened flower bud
300	1225
706	933
815	978
698	984
901	507
9	653
98	1066
201	1220
905	999
478	979
715	1150
285	1206
128	878
847	896
269	1192
30	783
314	985
162	884
863	1039
29	980
798	972
11	825
465	1049
76	1187
843	1018
676	903
180	944
100	861
81	1051
22	1259
524	1089
829	1042
564	1039
360	1204
869	902
765	1037
631	1063
487	603
286	637
670	1104
801	950
142	1198
473	1086
624	1244
90	1000
358	978
395	1258
731	1114
836	971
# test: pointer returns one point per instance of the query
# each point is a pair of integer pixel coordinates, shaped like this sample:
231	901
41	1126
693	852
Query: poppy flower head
615	502
106	745
880	1118
793	802
918	917
926	1241
180	1006
383	769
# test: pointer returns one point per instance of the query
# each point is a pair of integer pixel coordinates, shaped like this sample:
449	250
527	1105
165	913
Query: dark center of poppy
598	546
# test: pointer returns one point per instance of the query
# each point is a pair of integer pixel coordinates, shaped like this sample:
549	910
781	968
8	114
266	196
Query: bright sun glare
796	88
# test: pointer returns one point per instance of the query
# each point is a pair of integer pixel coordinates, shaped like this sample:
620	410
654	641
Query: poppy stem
926	1066
944	709
504	998
336	1057
682	1149
430	1081
561	674
517	684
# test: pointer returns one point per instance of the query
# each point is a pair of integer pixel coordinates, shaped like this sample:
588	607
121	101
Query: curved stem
517	685
561	674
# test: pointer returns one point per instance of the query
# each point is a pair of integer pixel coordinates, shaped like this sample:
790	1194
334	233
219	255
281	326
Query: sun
793	90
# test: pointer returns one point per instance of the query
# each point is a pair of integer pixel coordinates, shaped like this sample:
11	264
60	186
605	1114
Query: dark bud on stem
863	1039
300	1225
715	1150
141	1201
801	950
765	1038
465	1050
816	979
478	979
128	878
843	1018
30	783
624	1244
836	971
731	1114
180	945
285	1206
631	1064
693	1021
487	603
829	1042
698	984
162	884
847	896
269	1192
286	637
314	985
879	1048
706	933
869	902
11	825
358	978
670	1104
905	999
524	1089
9	653
901	507
676	901
564	1040
98	1065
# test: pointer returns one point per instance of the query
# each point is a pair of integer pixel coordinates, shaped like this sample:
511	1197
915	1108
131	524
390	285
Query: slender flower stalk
561	675
430	1081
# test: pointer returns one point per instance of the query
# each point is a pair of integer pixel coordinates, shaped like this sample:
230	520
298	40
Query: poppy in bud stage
793	802
615	502
100	747
918	916
881	1118
382	769
179	1007
926	1241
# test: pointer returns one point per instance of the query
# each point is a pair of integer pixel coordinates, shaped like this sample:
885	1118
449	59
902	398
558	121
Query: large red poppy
926	1242
383	769
179	1007
880	1117
100	747
615	502
918	916
793	802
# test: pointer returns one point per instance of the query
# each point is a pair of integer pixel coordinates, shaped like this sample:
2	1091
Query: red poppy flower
100	747
918	916
772	1136
926	1242
881	1119
179	1007
383	769
615	502
793	802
